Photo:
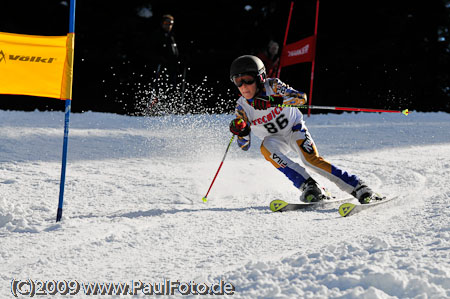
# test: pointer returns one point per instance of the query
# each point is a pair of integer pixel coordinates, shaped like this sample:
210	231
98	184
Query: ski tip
405	112
204	199
345	209
277	205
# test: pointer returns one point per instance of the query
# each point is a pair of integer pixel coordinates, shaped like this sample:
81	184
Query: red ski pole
205	199
405	111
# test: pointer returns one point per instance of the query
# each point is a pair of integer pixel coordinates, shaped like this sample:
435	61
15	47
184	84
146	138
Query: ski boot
311	192
364	194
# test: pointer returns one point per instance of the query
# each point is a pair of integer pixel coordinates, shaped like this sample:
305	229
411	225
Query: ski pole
405	111
220	166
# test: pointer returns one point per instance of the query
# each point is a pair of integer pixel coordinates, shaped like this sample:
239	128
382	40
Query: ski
348	209
279	205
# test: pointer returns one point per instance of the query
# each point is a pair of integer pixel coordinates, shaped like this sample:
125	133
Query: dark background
377	54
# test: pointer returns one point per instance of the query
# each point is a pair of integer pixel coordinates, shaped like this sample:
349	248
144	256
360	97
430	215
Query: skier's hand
265	102
239	127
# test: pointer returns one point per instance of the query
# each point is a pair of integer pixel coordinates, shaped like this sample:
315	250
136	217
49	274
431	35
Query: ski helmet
248	64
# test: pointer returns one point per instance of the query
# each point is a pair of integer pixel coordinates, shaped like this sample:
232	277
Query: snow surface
133	207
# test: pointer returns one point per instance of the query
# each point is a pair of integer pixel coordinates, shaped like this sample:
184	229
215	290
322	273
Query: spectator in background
166	49
270	58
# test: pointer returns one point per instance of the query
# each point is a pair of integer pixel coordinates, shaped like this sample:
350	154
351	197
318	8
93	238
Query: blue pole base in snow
58	215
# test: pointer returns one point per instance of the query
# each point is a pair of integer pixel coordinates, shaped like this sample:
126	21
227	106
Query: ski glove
239	127
265	102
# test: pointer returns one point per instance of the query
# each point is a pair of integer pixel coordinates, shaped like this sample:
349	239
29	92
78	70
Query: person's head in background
167	23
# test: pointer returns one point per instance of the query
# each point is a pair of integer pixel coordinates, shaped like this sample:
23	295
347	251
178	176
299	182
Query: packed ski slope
133	208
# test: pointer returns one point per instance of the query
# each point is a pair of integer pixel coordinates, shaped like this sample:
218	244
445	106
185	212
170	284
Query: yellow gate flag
36	65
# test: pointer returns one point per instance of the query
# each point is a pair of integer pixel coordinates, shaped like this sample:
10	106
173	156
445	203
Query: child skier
282	130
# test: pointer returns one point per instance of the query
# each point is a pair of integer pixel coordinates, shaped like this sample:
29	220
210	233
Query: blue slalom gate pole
66	127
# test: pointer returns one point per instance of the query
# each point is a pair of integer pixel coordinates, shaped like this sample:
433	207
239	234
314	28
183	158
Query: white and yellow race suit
282	129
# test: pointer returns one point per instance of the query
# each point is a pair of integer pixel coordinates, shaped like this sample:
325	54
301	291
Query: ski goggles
240	80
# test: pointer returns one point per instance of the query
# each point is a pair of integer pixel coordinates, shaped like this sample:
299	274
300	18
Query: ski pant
275	148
